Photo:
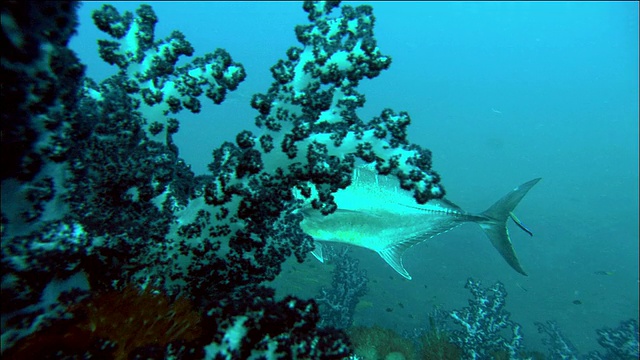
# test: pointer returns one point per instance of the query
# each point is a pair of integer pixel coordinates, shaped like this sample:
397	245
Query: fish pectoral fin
317	252
393	256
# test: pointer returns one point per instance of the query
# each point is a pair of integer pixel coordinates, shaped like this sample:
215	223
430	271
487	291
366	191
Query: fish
521	287
375	213
601	272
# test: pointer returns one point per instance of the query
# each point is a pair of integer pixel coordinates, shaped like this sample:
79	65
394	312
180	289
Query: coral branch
348	285
483	322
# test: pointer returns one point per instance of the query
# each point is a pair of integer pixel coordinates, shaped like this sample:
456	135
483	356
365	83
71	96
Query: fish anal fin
392	254
317	251
394	259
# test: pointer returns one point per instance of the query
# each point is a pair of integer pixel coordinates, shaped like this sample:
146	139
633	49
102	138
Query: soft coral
128	319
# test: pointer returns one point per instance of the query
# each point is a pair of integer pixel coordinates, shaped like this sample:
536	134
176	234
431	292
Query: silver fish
375	213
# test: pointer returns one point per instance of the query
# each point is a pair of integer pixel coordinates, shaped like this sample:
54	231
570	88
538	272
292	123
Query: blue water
501	93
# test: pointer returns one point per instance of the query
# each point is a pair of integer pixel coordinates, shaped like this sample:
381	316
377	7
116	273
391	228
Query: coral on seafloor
620	342
483	325
123	320
378	343
435	344
337	304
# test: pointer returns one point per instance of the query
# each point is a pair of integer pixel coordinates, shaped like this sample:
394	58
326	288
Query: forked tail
495	225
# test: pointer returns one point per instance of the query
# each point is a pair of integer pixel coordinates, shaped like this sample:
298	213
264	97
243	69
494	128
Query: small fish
577	302
401	305
521	287
496	111
375	213
388	309
608	273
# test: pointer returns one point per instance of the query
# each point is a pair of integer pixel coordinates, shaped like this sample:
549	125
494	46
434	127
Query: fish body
375	213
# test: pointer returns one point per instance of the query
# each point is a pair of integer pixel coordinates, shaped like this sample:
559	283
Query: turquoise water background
501	93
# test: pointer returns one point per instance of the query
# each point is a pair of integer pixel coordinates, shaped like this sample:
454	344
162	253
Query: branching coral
559	346
484	322
621	342
348	285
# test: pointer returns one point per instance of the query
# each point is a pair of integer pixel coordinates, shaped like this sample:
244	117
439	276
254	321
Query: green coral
435	345
378	343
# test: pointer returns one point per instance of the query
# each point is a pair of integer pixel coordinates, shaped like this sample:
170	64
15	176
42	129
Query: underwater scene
319	180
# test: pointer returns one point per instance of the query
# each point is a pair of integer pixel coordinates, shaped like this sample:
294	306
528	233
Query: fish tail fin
495	225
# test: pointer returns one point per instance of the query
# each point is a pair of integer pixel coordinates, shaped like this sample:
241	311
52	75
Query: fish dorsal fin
347	211
392	254
451	205
317	251
362	214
